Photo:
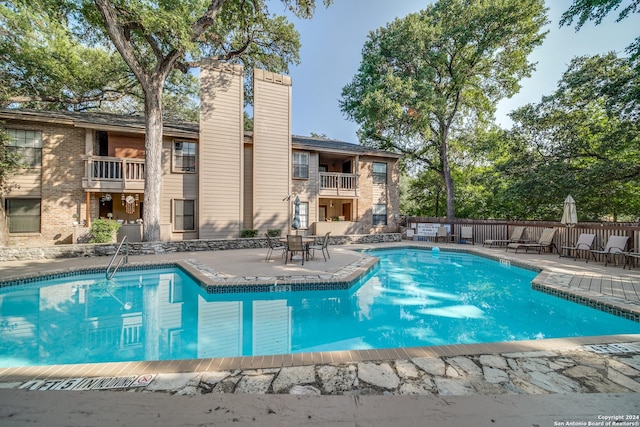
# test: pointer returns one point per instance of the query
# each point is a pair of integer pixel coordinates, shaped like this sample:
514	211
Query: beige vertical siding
272	150
307	189
176	186
248	186
220	158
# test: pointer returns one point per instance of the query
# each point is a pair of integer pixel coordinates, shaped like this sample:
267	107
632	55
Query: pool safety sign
99	383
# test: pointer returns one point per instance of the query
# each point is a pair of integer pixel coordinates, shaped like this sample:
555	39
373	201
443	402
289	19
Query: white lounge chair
631	258
466	234
516	236
615	246
584	243
442	234
545	241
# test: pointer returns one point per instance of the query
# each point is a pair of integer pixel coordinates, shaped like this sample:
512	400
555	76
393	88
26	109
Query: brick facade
64	190
61	190
366	194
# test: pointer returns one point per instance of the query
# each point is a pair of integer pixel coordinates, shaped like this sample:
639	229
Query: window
28	144
304	215
23	215
184	156
300	164
184	218
379	173
379	215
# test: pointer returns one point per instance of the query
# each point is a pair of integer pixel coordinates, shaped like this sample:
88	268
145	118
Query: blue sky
331	52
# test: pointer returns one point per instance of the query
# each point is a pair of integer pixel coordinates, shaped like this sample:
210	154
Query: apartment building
217	179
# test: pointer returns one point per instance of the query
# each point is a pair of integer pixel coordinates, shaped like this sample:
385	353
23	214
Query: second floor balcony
113	174
338	184
117	174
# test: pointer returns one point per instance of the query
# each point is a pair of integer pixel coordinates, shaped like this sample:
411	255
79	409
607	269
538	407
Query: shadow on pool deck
53	409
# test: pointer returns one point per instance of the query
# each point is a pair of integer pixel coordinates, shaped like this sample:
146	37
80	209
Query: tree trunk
446	174
448	183
153	163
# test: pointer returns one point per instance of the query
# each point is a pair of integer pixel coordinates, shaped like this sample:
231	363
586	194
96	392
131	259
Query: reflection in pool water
413	299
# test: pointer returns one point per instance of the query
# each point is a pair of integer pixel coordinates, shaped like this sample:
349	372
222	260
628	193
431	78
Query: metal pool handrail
122	261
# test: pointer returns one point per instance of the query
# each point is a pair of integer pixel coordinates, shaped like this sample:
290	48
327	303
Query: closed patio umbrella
296	214
569	215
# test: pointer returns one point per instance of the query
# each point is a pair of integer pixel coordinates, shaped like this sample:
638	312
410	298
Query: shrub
274	232
103	230
248	232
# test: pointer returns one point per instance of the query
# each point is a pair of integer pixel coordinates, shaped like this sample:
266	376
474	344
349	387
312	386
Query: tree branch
112	97
205	21
117	34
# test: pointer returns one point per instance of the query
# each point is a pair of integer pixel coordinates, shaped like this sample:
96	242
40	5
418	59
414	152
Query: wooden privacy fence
501	230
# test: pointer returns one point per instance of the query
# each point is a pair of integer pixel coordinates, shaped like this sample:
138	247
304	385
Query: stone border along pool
600	368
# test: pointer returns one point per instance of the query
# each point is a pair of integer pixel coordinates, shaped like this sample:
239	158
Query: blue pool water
414	298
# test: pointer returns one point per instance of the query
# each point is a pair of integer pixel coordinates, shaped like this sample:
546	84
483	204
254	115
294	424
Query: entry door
346	211
106	207
322	213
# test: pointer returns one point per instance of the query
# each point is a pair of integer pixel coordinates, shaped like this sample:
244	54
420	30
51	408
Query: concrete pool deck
611	286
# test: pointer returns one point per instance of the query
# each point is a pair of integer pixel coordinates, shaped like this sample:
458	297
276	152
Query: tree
44	66
158	40
582	140
431	75
612	80
596	10
421	195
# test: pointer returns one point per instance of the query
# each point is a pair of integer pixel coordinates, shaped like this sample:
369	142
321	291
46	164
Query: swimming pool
413	298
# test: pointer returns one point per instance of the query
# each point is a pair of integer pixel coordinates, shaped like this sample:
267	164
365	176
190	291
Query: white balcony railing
338	184
112	173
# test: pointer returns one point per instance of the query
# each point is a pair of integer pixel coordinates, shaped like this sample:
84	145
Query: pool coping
16	375
215	282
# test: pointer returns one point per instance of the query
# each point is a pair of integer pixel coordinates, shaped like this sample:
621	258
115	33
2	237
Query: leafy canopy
430	76
44	65
58	54
582	140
